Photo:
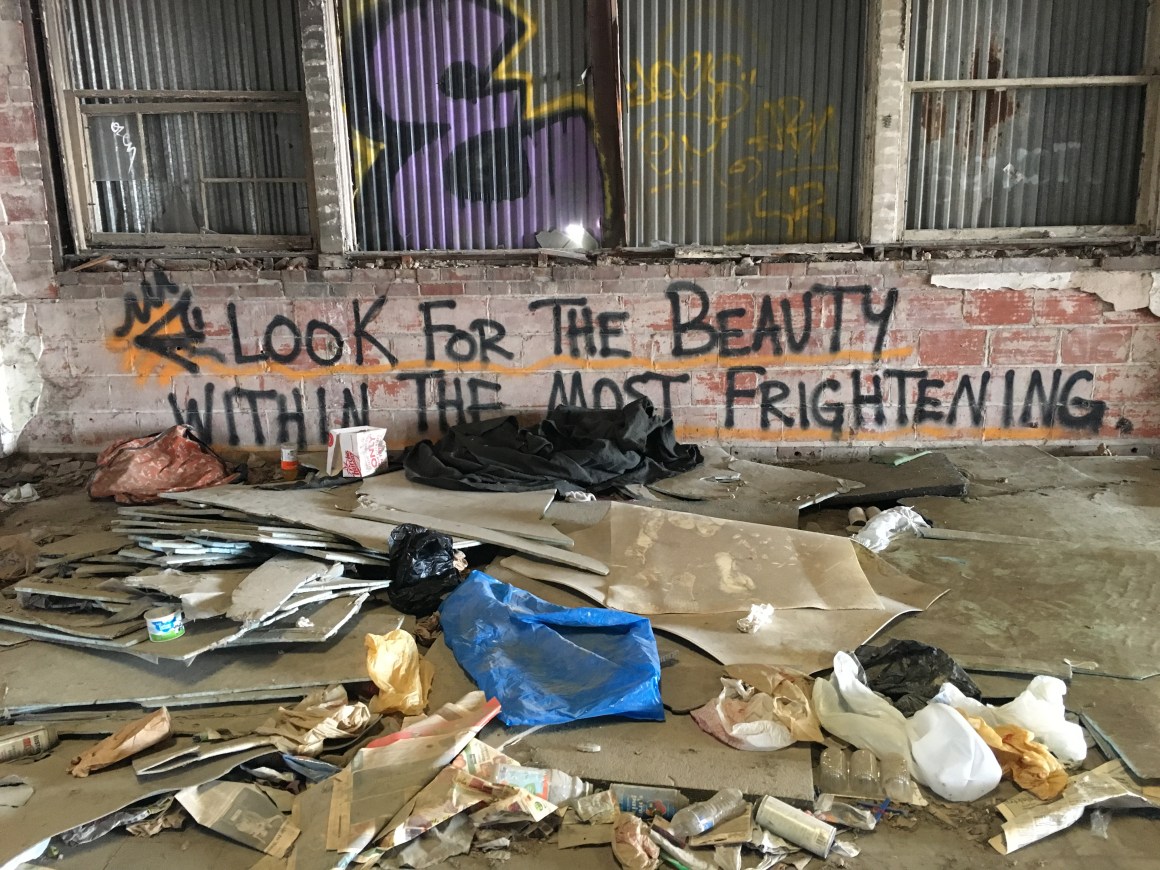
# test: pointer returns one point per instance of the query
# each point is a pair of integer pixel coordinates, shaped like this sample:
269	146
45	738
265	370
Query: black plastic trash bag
910	673
422	569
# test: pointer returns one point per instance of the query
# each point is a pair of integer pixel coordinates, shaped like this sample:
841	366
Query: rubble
312	724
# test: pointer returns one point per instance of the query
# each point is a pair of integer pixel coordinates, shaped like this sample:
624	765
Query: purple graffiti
480	173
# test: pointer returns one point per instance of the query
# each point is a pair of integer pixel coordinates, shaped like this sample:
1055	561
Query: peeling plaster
1126	291
20	350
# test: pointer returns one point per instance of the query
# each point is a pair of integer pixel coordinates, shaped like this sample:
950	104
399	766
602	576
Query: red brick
1127	384
929	309
1089	345
943	347
1024	346
442	289
1068	307
1145	344
998	307
24	204
17	125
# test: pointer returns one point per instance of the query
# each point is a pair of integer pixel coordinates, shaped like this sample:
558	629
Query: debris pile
384	673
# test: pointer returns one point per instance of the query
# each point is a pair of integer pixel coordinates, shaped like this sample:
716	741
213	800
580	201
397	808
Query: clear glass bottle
833	771
700	817
895	776
864	774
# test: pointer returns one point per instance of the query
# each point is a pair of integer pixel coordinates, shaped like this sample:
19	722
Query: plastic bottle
895	776
552	785
833	771
864	774
700	817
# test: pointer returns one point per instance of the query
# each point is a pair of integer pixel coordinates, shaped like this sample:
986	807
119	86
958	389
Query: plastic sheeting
548	664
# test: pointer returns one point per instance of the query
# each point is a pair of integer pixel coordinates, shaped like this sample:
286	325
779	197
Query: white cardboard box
359	451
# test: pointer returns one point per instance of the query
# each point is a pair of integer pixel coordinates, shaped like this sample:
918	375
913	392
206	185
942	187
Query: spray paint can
27	742
289	462
797	827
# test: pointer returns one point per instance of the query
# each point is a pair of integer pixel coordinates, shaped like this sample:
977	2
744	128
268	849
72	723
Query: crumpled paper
632	846
324	714
402	675
133	738
1029	763
761	708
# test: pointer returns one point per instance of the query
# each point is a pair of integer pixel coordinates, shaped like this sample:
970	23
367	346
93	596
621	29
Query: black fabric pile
572	449
910	673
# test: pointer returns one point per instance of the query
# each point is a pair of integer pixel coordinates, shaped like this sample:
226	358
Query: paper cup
164	623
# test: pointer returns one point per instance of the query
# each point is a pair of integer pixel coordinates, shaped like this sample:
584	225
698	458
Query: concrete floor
940	836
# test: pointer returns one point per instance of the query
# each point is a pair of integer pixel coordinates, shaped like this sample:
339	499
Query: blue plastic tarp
548	664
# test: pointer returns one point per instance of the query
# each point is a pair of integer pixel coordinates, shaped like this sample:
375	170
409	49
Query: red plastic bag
138	470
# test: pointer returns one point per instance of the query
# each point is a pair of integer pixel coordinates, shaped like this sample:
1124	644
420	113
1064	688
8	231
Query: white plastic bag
849	709
942	750
1039	709
949	756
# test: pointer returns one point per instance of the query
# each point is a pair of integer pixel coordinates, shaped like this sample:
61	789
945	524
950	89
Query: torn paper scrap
389	771
761	708
240	812
324	714
1028	820
402	675
133	738
631	845
759	616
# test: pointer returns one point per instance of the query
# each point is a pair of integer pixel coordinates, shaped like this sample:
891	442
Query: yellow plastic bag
402	675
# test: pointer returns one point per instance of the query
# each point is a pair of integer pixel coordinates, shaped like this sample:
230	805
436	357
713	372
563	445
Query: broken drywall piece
269	585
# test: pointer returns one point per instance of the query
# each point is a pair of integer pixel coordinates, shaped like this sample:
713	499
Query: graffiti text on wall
814	364
471	123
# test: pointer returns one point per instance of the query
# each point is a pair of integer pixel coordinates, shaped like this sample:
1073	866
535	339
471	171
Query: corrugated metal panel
1021	157
742	119
470	122
167	169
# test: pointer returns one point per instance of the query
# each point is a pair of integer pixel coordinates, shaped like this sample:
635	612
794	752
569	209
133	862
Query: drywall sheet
43	676
1125	714
268	586
316	508
721	477
1095	607
664	561
517	513
933	474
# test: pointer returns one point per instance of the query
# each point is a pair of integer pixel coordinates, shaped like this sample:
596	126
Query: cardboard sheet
802	639
517	513
665	562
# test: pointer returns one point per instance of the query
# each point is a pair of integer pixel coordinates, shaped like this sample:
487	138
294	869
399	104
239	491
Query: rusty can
289	462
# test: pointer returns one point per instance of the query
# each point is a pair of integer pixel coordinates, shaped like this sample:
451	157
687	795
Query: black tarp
571	449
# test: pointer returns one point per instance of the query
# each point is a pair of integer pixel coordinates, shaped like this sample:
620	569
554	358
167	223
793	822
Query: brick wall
798	356
849	354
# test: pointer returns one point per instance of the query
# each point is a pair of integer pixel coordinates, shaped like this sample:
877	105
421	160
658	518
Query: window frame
1147	197
75	162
